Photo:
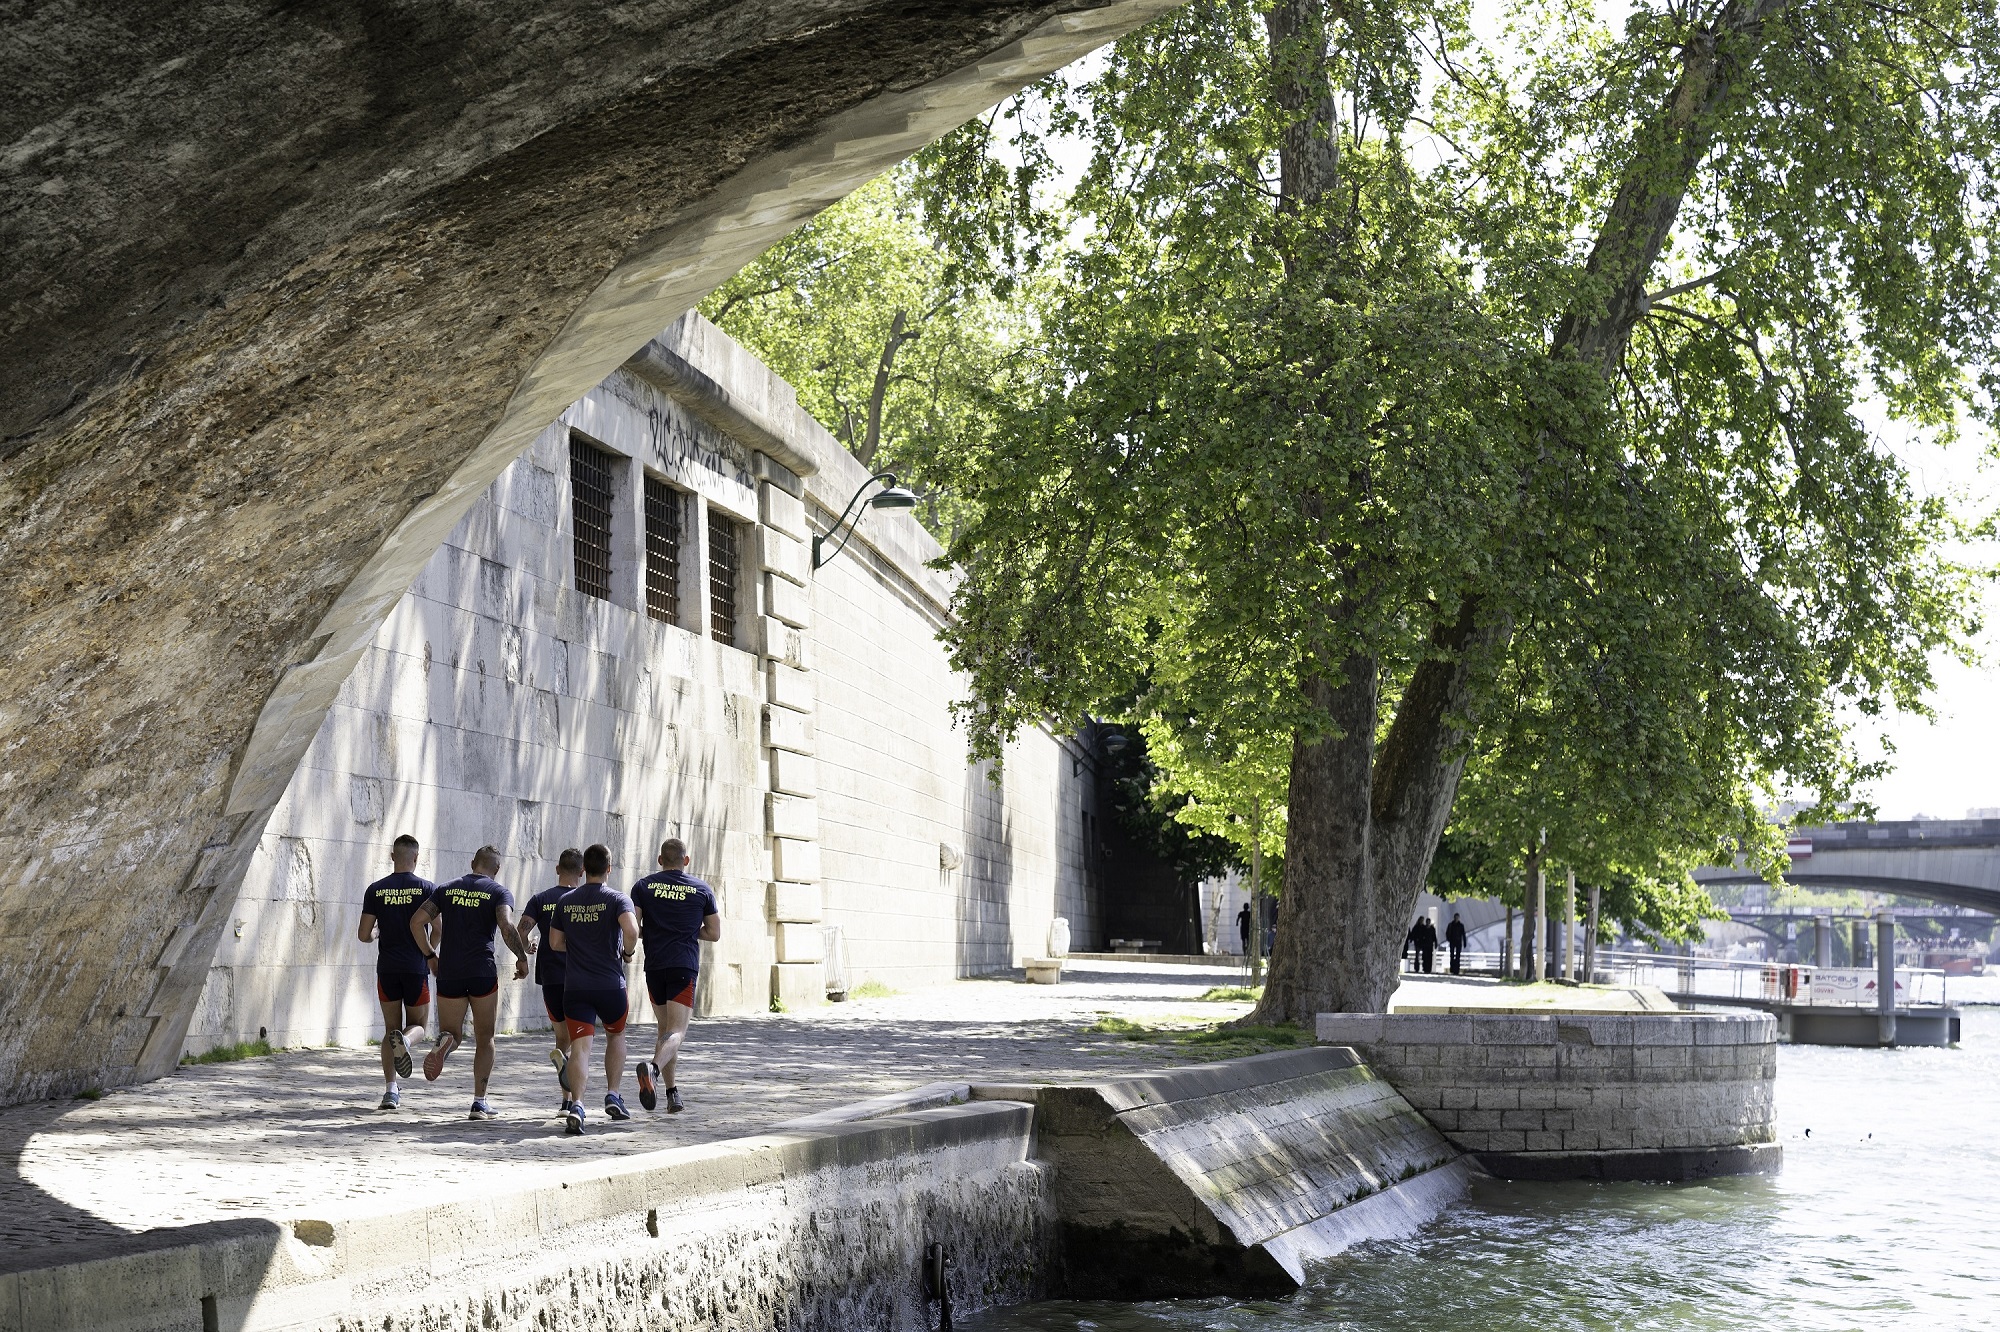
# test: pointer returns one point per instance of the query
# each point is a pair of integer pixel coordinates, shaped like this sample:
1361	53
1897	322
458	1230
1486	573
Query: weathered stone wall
813	768
1616	1096
287	290
821	1229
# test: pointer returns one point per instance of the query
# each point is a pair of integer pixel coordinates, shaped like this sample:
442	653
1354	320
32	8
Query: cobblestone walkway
297	1133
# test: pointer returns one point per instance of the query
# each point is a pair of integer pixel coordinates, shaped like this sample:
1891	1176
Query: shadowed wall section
286	290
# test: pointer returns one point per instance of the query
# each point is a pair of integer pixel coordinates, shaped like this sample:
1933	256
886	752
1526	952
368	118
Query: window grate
590	516
663	551
722	566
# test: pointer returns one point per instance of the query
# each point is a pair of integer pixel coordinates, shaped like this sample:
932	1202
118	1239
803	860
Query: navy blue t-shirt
540	912
392	901
671	906
588	918
470	907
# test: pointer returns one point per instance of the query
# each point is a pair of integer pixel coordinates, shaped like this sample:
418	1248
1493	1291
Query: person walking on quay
455	930
539	916
1243	927
402	979
596	933
676	913
1454	938
1424	935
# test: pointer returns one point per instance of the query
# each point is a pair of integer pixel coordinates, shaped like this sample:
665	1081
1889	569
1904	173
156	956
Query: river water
1886	1216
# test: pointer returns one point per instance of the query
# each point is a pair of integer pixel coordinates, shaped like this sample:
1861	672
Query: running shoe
399	1051
614	1107
673	1100
647	1096
392	1099
560	1058
573	1119
481	1110
440	1051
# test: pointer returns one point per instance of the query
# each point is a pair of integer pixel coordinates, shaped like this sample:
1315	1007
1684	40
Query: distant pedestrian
677	913
596	932
550	966
402	979
1423	937
1454	937
455	929
1243	927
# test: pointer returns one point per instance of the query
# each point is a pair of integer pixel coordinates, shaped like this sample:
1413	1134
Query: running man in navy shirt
539	915
455	930
402	979
676	914
596	933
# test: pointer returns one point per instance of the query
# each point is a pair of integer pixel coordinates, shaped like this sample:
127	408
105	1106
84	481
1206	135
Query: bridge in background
1952	861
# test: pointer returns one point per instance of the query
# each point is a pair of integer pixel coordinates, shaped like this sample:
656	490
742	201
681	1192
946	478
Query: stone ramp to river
1232	1177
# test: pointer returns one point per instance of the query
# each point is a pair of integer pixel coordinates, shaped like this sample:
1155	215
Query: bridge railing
1768	982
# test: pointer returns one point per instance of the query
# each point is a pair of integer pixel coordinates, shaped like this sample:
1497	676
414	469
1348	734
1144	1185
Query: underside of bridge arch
1951	894
285	288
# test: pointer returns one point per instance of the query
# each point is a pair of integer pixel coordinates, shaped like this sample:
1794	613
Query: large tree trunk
1363	827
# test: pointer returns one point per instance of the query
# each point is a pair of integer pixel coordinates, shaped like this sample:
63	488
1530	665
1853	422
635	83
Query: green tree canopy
887	345
1410	402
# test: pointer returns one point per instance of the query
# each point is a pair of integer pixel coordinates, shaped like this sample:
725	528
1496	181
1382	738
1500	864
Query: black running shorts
467	987
584	1009
412	991
672	985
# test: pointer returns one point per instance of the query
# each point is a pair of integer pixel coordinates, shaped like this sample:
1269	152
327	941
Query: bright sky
1946	767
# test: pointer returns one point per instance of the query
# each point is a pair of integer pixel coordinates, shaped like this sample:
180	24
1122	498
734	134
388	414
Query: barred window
590	516
723	561
663	551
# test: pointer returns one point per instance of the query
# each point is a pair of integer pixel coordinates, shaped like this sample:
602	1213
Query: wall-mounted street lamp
893	496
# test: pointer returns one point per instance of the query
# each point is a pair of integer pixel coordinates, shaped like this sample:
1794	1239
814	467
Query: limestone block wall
1589	1095
810	762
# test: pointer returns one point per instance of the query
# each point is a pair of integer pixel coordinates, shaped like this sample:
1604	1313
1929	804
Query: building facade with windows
624	641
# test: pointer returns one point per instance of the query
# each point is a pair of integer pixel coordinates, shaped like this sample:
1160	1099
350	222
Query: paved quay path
296	1134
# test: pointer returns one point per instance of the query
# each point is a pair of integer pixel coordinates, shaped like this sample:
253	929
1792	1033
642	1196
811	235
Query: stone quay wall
1594	1096
817	1230
800	741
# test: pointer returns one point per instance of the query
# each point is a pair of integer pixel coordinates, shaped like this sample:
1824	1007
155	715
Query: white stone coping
1552	1029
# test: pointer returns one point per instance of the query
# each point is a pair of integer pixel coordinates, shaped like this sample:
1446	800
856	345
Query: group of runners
581	933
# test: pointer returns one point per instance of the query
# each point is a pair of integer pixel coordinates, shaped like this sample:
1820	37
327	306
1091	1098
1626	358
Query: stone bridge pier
285	289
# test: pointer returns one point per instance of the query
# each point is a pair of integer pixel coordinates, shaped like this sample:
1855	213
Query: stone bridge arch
1952	861
285	289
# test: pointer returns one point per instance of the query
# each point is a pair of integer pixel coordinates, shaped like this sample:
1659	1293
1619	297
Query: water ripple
1887	1216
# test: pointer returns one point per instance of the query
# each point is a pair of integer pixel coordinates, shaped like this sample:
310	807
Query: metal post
1885	978
1538	884
1590	938
1569	924
1823	940
1256	891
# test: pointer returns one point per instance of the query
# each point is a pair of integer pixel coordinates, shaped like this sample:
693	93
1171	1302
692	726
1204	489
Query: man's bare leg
485	1013
576	1075
673	1019
392	1020
614	1059
451	1035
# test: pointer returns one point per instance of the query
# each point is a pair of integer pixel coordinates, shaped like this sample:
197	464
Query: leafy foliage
1569	397
866	318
